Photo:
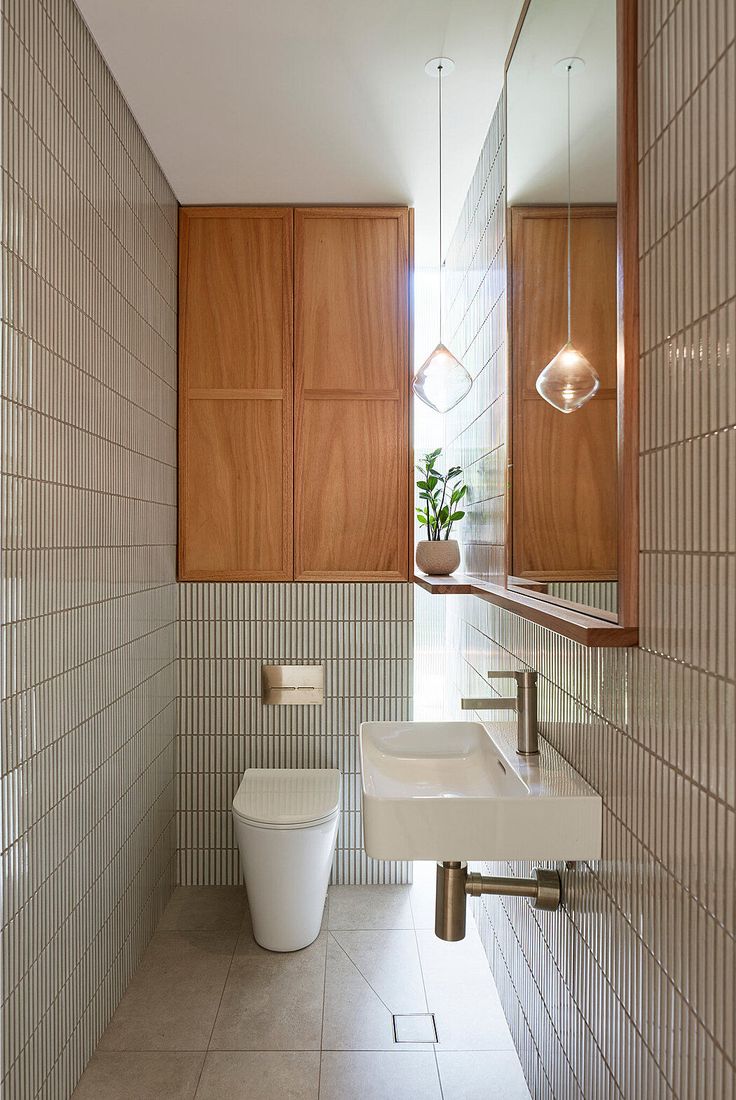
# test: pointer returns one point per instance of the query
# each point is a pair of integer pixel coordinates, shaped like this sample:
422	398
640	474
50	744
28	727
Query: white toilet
286	825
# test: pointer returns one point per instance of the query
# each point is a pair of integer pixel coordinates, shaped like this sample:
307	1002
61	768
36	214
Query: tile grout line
426	997
324	998
355	965
219	1006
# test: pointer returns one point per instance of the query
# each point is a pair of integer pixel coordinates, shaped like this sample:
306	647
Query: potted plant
438	554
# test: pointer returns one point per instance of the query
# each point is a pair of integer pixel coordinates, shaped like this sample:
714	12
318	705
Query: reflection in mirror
562	288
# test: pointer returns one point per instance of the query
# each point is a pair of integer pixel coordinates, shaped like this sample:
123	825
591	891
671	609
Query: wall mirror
572	535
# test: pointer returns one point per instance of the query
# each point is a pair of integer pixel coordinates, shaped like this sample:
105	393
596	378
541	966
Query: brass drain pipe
455	883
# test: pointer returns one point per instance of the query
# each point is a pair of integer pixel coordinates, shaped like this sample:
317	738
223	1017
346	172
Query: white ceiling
537	104
281	101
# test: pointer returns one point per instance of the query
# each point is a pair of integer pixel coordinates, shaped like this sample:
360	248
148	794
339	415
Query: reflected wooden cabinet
294	376
565	478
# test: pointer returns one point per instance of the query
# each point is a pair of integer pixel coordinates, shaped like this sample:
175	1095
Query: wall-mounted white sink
459	791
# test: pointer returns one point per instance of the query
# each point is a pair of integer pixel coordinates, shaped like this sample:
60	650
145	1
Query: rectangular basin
458	791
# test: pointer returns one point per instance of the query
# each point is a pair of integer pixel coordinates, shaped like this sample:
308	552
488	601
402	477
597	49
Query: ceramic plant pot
438	559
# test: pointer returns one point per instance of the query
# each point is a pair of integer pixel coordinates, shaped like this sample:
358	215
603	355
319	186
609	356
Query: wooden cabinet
294	386
351	372
235	394
564	468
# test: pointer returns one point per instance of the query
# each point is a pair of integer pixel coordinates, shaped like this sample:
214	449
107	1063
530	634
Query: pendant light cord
569	211
439	113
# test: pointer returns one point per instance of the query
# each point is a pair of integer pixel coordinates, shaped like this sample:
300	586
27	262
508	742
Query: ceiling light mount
569	65
433	66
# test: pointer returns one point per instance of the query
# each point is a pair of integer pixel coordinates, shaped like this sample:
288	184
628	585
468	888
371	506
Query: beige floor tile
379	1075
140	1075
172	999
355	907
388	960
461	994
272	1001
260	1075
481	1074
205	909
356	1017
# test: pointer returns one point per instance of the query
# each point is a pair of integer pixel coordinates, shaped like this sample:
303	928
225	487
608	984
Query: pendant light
442	381
568	381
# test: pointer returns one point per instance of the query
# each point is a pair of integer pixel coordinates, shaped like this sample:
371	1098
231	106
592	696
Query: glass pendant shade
442	381
568	381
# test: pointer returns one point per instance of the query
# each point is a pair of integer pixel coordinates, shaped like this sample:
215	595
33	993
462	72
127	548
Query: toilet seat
287	798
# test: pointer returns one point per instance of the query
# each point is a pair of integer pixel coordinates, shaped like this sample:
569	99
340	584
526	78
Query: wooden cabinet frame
601	629
292	397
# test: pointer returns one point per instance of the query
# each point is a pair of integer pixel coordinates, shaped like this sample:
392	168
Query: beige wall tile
88	383
622	993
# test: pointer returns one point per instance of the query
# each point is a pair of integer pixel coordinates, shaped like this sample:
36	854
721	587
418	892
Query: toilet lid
287	796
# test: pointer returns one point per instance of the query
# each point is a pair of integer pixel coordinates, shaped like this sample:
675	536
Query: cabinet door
235	393
565	468
352	379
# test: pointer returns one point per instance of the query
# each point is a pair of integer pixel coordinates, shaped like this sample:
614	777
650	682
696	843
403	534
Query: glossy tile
140	1075
88	515
374	1075
260	1074
362	634
172	1000
618	994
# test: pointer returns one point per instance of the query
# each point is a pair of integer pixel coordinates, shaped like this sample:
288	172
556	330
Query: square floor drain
415	1027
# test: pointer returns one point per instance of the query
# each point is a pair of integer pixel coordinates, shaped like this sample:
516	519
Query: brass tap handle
524	677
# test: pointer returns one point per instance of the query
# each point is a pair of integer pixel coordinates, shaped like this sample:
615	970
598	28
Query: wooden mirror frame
600	629
603	628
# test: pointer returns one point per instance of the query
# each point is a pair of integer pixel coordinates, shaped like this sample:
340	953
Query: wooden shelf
585	629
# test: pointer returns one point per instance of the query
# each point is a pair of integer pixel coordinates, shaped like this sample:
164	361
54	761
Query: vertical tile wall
475	431
88	519
361	633
629	991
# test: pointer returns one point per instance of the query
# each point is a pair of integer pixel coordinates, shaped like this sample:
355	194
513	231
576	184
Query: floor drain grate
415	1027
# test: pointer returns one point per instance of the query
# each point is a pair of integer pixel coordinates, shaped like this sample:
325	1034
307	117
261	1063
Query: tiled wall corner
362	633
88	519
628	991
475	431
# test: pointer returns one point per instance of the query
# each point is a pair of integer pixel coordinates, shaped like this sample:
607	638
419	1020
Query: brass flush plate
289	684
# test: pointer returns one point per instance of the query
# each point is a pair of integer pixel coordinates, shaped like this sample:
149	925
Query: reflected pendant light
442	381
568	381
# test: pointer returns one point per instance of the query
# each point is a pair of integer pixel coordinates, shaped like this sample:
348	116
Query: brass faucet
524	703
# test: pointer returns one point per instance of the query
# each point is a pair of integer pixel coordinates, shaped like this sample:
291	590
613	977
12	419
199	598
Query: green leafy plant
441	494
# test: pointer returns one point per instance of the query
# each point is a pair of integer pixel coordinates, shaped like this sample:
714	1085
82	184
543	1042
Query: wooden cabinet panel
565	471
233	328
235	394
349	509
350	278
352	377
569	521
235	487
